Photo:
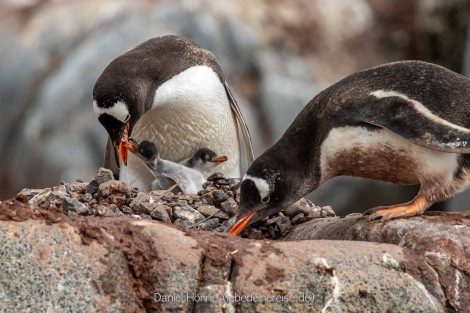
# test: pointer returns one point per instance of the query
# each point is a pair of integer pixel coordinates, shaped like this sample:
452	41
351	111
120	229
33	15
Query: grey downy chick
166	173
205	161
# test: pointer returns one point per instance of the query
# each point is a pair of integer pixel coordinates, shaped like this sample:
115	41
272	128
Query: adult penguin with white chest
406	122
171	91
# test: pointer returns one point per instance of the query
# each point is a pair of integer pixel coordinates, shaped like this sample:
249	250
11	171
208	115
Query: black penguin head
263	192
204	155
114	115
148	150
207	156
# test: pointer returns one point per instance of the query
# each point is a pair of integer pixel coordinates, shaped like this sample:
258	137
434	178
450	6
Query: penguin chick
404	122
204	161
166	173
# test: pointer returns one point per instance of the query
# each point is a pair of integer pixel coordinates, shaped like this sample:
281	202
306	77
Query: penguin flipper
413	121
241	122
110	159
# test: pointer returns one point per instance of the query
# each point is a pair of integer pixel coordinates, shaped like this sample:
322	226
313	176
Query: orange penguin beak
240	225
219	159
123	145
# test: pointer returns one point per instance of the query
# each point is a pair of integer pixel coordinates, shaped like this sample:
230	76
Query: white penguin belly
188	113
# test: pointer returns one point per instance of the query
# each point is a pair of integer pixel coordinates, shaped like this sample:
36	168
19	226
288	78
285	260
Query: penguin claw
385	213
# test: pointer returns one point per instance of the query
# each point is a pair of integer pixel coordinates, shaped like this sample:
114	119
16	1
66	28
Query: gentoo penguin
203	161
172	92
404	122
166	173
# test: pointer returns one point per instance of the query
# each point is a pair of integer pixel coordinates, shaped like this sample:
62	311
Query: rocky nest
209	210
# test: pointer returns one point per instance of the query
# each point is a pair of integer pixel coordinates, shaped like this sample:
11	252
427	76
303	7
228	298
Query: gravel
208	210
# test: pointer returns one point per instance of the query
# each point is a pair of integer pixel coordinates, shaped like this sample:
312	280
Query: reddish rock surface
441	241
120	264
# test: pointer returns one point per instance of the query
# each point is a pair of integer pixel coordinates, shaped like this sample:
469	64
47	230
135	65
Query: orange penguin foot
417	206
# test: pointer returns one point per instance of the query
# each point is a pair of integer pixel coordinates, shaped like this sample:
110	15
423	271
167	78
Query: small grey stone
30	193
125	209
299	218
207	184
92	187
183	223
185	197
145	208
222	182
234	183
209	210
178	203
88	197
215	176
272	220
187	213
302	206
103	175
102	210
327	210
138	199
71	204
284	225
113	187
160	213
220	229
76	188
207	198
209	224
219	196
229	206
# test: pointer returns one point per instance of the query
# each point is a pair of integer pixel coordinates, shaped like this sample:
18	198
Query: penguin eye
265	199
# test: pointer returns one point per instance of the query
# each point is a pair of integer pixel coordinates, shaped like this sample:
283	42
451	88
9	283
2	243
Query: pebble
299	218
183	224
229	206
219	196
73	205
187	213
30	193
103	210
103	175
92	187
209	210
208	224
160	213
216	176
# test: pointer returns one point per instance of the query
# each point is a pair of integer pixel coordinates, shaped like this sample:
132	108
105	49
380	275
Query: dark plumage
404	122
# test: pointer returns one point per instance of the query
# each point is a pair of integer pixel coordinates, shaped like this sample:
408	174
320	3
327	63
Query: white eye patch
262	185
119	111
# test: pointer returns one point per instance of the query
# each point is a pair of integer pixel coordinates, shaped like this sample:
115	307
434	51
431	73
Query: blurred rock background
277	55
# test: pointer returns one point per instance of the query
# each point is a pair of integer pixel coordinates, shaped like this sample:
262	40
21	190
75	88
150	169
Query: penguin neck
295	152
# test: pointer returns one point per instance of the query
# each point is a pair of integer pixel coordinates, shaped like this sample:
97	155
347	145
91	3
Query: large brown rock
441	240
55	262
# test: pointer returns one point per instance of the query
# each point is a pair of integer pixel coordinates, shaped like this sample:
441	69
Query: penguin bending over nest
172	92
405	122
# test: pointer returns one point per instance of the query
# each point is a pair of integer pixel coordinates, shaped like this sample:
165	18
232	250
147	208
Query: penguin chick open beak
123	145
131	145
219	159
241	224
